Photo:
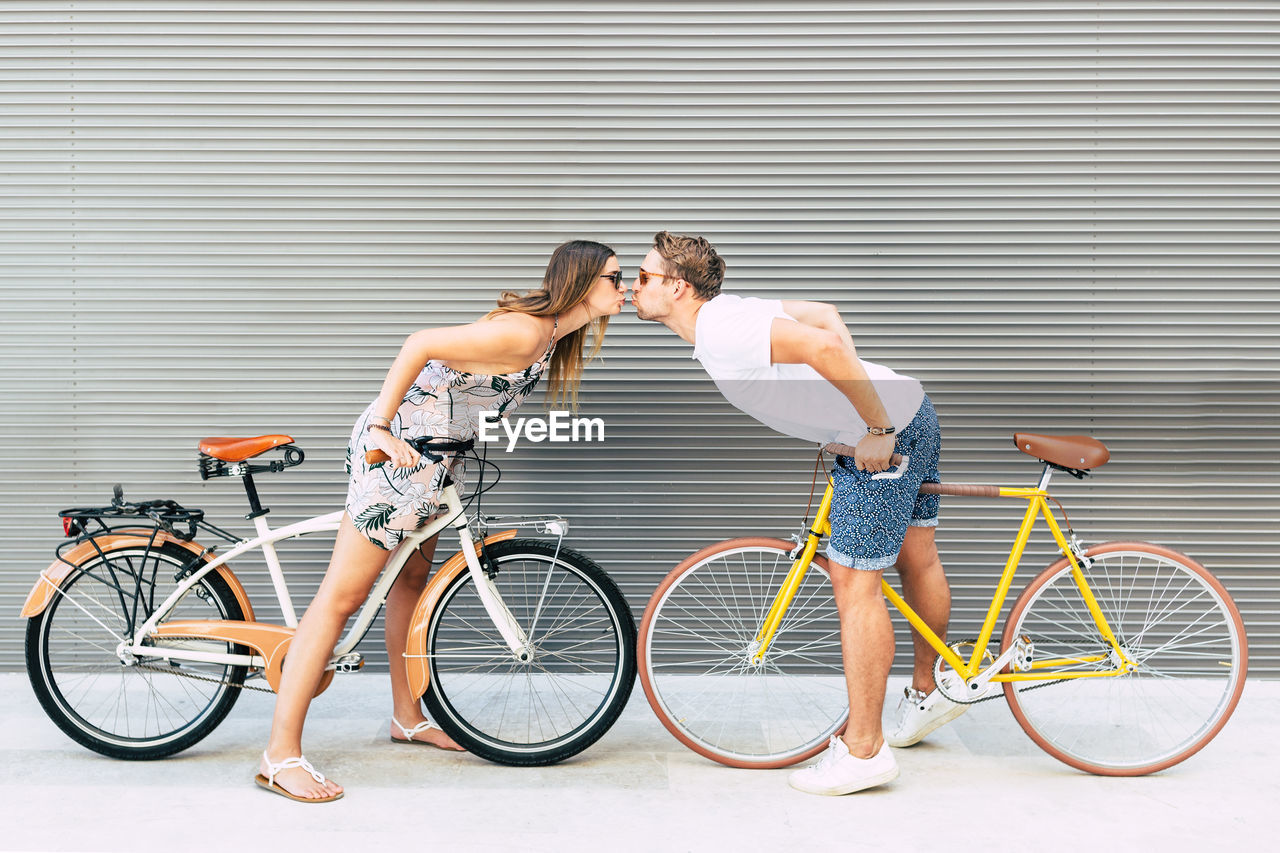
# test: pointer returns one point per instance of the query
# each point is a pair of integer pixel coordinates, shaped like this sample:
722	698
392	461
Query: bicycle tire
579	680
694	648
153	709
1171	616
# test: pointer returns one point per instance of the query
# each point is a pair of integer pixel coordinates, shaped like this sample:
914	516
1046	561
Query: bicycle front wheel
1171	617
696	657
130	708
579	674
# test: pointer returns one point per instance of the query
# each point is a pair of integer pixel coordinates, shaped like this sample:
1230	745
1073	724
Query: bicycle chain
1000	695
193	676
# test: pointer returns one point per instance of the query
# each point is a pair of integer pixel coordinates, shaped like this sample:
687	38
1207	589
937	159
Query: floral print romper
385	503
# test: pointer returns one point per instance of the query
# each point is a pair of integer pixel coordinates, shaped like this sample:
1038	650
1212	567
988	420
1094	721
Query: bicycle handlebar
428	447
847	450
968	490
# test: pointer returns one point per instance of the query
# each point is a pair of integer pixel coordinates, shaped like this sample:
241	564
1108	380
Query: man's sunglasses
644	276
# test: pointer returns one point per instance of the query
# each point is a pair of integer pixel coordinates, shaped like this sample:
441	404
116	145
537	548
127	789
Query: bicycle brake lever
896	473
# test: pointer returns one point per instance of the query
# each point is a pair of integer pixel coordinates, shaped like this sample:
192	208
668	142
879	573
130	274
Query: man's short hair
692	259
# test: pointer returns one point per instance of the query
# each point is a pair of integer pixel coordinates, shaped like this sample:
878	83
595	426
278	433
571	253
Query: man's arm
820	315
833	357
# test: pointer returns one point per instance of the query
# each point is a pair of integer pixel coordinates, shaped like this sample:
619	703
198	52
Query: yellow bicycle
1121	659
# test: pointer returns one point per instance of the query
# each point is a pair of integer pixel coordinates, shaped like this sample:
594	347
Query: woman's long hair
574	269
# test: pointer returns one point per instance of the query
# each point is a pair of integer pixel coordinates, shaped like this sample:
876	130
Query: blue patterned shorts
869	518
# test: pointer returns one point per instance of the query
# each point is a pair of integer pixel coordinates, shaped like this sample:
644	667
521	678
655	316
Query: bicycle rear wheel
696	642
578	681
1172	617
135	709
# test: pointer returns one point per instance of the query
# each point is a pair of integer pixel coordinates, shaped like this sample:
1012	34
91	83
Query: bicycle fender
47	584
415	652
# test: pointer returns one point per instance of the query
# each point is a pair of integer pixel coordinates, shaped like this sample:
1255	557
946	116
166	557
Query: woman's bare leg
401	601
353	569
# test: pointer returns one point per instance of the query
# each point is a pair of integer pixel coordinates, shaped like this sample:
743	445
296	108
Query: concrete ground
978	784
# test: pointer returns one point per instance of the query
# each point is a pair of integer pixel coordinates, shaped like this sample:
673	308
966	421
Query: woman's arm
504	338
498	339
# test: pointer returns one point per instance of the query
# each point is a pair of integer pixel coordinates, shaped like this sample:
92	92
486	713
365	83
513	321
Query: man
792	366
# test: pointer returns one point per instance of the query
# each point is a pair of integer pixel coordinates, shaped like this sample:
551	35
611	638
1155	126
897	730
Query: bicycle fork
802	556
512	634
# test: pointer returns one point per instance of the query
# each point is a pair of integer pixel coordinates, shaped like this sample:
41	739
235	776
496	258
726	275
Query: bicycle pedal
349	663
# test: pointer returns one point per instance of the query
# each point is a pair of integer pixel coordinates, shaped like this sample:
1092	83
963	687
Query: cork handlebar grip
967	490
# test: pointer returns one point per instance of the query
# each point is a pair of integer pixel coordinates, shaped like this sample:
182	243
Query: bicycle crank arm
978	684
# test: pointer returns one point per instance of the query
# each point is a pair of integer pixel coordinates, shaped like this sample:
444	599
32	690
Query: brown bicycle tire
642	651
1027	595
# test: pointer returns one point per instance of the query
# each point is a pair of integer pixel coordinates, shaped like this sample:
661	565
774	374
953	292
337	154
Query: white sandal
425	725
269	781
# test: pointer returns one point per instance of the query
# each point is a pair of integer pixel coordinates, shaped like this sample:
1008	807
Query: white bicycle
140	639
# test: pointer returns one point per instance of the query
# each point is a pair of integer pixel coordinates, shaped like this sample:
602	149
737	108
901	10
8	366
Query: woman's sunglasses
615	277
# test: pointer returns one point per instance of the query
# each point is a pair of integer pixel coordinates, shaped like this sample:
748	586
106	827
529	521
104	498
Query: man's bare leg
861	759
925	587
866	641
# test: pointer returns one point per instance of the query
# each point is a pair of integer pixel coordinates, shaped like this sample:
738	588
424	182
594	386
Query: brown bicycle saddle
1070	451
240	449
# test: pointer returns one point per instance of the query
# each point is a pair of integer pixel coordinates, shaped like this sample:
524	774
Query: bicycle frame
453	517
1037	506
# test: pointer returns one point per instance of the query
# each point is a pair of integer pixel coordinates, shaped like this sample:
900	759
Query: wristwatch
881	430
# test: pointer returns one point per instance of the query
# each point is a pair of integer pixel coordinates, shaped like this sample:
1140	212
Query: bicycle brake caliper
1077	551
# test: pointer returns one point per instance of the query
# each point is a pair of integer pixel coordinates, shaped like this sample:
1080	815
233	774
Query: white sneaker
919	714
838	772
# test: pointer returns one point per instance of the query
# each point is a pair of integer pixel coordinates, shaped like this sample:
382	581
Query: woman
440	382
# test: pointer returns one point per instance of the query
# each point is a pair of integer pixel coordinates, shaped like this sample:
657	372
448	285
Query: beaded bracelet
382	427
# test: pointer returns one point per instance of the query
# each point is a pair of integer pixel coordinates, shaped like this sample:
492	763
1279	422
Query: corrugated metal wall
223	218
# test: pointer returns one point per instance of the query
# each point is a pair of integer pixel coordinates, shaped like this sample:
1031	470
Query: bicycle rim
1172	618
696	643
145	709
553	706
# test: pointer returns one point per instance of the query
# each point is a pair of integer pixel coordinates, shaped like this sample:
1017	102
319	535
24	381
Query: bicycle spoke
699	639
124	706
1170	622
526	707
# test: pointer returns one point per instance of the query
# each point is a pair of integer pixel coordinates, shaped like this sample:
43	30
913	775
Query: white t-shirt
731	339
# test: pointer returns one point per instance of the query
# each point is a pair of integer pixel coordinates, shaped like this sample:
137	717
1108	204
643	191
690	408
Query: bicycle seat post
256	509
1044	478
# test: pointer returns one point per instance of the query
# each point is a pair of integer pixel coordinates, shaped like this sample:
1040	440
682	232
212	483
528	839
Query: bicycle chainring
949	682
